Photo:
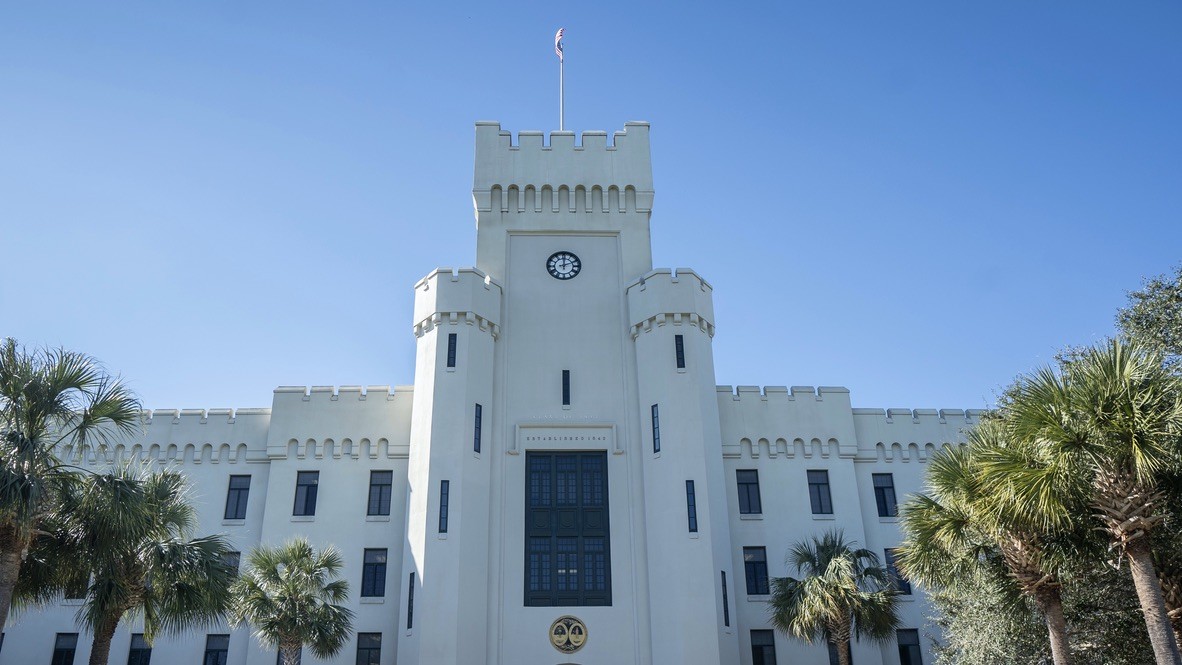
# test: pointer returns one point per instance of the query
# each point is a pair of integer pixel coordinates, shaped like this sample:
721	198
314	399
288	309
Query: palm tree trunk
1153	606
10	570
289	652
100	651
1050	602
843	652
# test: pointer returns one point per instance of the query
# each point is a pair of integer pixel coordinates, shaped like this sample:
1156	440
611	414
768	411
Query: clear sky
914	200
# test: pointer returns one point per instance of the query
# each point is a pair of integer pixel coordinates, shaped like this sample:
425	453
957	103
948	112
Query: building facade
564	482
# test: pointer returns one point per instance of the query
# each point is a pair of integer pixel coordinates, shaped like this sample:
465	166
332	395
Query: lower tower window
567	544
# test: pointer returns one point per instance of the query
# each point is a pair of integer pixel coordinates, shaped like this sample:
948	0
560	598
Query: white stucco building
564	452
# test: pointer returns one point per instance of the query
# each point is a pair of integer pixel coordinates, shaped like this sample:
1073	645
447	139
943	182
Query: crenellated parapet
911	435
183	436
453	297
562	175
321	422
670	297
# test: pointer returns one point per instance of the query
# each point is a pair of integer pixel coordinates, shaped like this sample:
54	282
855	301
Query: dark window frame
369	654
444	500
763	647
679	350
901	584
451	350
566	387
139	653
477	424
726	603
373	573
379	504
237	498
215	654
820	495
410	602
910	653
656	412
691	506
310	490
747	482
884	494
65	648
755	571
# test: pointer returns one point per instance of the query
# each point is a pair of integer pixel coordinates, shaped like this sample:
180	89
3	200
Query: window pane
656	430
691	506
679	350
476	428
755	566
451	350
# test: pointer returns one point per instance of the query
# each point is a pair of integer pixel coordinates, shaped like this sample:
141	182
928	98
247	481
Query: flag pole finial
561	80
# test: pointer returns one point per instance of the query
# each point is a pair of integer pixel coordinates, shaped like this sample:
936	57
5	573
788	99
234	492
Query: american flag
558	42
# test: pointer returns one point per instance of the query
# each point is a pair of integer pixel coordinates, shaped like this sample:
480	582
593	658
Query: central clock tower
565	393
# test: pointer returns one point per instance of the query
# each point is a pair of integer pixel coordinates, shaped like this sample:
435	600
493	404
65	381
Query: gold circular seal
568	634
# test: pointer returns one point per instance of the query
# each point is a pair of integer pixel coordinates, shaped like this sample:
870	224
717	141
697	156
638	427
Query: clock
563	265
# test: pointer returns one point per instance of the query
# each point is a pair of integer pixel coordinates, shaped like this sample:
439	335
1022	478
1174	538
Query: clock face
563	265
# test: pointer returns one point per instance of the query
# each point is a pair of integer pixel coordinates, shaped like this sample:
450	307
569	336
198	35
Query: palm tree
959	531
126	532
292	596
842	592
1100	436
47	398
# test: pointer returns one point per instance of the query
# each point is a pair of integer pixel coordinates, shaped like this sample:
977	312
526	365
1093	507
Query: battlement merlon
466	295
626	164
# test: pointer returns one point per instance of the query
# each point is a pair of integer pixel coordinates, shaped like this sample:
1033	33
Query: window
884	495
748	481
444	491
755	566
451	349
726	603
217	650
141	651
232	560
819	493
656	430
567	553
679	350
566	387
305	495
410	603
369	648
476	429
763	647
900	583
909	653
691	506
64	646
380	485
373	574
236	497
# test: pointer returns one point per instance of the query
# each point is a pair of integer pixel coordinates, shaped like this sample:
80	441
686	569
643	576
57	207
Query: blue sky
914	200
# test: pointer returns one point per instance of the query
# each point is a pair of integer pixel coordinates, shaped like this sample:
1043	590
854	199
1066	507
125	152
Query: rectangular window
217	650
232	560
748	481
884	495
476	429
64	646
567	549
305	494
451	349
679	350
909	653
691	506
566	387
444	491
410	603
763	647
726	603
141	651
381	484
819	496
755	566
901	584
369	648
236	497
373	574
656	430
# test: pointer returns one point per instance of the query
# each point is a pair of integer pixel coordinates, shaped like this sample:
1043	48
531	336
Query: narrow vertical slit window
691	506
679	350
476	429
451	349
726	603
656	430
410	603
444	491
566	387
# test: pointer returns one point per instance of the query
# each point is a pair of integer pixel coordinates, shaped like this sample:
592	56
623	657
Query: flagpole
561	97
